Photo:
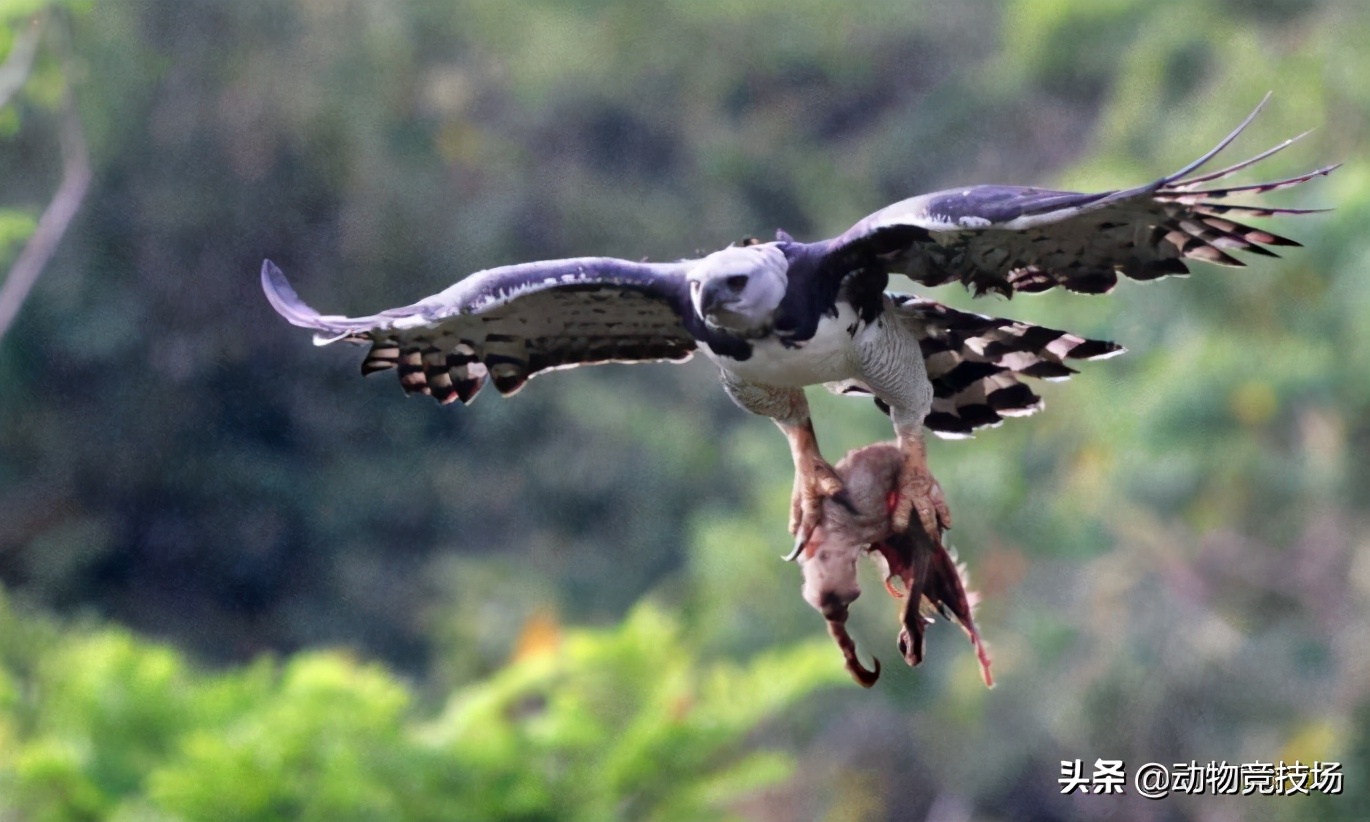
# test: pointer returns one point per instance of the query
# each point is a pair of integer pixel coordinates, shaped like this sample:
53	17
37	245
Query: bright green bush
621	723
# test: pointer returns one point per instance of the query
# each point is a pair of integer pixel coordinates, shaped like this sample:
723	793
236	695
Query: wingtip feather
1226	141
284	299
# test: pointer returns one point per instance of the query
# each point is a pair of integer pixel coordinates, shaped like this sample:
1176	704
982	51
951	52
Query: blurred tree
44	235
629	723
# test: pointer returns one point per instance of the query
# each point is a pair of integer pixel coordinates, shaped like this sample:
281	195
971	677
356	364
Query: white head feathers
739	288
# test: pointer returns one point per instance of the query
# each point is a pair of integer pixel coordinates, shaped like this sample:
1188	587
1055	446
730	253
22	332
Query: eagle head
739	288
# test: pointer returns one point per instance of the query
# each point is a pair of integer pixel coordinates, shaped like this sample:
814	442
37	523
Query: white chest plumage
829	356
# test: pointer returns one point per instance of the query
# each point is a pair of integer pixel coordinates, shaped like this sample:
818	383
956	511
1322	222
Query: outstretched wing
1007	239
511	323
976	363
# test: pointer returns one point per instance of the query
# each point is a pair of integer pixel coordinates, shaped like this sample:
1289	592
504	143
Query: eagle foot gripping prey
919	492
930	578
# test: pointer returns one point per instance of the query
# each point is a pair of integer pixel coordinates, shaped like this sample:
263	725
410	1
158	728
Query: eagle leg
918	490
814	480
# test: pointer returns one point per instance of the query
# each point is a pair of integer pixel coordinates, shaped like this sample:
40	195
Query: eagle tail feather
977	363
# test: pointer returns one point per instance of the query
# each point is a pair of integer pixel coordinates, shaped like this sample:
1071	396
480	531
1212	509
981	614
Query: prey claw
864	676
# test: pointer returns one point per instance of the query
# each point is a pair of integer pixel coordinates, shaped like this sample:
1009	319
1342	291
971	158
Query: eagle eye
736	282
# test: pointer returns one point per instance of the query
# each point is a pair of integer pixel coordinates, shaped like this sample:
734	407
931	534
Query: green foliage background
568	605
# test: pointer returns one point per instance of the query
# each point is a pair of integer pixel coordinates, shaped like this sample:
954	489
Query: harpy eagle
778	316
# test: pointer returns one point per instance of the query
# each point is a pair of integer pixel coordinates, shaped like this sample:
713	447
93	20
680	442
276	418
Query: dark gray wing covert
511	323
1008	239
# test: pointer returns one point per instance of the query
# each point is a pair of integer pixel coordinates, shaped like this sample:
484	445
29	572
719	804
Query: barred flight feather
1009	239
975	363
505	330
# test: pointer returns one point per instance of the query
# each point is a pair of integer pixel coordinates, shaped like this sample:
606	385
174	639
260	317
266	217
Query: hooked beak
707	297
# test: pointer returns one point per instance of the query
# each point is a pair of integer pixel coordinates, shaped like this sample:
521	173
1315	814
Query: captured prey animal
932	581
778	316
